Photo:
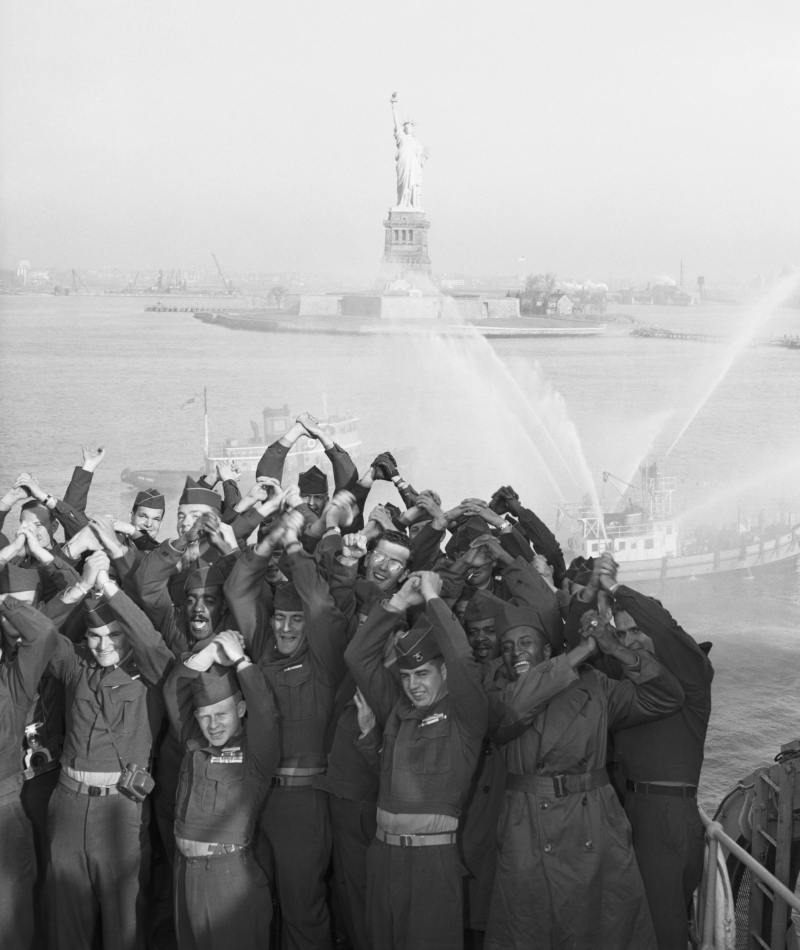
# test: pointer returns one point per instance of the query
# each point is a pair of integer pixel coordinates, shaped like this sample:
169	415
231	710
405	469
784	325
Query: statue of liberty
411	156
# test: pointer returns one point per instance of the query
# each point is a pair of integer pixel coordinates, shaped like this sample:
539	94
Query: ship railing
764	885
220	450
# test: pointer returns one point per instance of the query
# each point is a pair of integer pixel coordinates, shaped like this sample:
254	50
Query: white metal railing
707	893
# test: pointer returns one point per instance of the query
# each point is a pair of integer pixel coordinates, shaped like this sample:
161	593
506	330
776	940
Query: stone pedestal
405	251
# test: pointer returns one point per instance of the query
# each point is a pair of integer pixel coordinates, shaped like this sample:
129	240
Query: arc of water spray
761	313
742	486
501	368
526	414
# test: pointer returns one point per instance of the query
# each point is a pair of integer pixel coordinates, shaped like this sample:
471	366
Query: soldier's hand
607	569
12	496
28	534
29	484
82	541
292	497
228	472
103	527
430	584
223	538
310	424
354	546
92	457
231	646
384	467
271	485
409	595
594	627
341	509
366	717
542	567
292	523
382	517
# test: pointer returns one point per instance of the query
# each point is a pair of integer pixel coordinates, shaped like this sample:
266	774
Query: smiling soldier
221	896
303	662
433	727
566	871
98	817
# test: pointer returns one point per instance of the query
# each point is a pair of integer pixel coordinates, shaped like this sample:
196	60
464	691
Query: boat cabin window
634	545
594	546
648	542
621	546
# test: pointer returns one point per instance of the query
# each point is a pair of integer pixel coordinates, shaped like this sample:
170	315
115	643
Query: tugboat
304	453
246	453
644	538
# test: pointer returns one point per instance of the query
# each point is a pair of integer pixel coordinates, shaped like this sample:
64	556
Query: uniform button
540	765
590	844
486	789
581	761
548	848
544	806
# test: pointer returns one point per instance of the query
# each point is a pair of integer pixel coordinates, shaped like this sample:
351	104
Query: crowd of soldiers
405	727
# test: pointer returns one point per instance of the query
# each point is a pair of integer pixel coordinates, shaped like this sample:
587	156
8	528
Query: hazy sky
589	137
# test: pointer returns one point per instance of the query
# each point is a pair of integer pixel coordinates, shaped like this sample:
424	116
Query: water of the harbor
540	414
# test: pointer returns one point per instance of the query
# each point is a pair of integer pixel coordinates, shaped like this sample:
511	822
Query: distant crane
76	279
229	285
131	284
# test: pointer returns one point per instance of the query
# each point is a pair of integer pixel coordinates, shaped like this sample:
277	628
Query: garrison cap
97	613
483	605
580	569
416	646
513	616
194	494
287	598
471	529
14	580
313	482
204	577
149	498
213	686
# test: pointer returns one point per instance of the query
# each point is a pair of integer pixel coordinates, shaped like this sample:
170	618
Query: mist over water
755	319
547	416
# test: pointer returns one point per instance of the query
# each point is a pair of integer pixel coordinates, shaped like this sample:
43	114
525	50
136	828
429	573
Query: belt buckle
95	791
560	786
406	841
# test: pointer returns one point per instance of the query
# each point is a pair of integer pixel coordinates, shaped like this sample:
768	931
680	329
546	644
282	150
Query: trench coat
567	877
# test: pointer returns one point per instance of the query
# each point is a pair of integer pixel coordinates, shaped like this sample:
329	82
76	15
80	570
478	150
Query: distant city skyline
586	139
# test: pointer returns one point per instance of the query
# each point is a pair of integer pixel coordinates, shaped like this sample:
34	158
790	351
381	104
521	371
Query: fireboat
645	541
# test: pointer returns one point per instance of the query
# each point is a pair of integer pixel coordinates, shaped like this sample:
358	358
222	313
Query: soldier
20	673
478	824
566	872
350	782
313	484
661	761
221	893
433	728
98	816
146	517
302	660
203	540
